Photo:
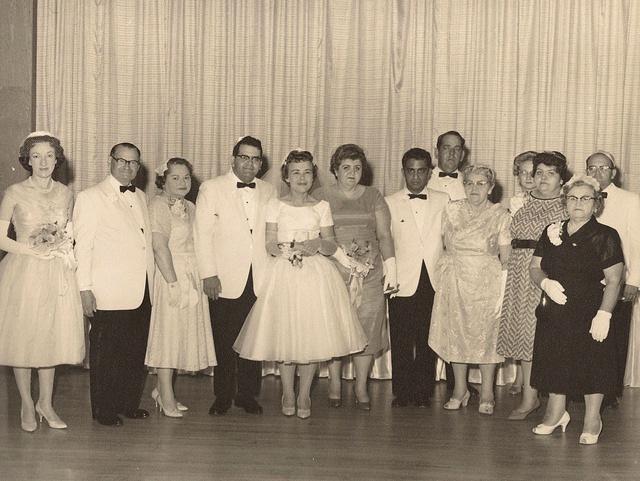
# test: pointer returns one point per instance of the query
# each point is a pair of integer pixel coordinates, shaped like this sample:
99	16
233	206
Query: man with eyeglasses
115	278
446	177
622	212
416	217
229	235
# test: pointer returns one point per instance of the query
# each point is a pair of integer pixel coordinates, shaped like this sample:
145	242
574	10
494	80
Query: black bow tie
124	188
242	185
418	196
603	194
453	175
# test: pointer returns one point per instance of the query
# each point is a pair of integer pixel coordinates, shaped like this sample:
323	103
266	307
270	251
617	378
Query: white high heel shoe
53	420
155	394
454	404
546	429
170	414
588	438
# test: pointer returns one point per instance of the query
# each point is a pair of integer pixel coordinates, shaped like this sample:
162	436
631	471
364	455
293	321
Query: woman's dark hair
348	151
296	156
552	159
161	179
29	142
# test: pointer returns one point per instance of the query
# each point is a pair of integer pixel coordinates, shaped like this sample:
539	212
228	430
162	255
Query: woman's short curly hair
161	179
552	159
480	169
580	182
520	159
30	141
348	151
296	156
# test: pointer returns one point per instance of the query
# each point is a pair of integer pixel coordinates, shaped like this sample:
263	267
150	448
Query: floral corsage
289	252
360	265
178	207
553	232
52	239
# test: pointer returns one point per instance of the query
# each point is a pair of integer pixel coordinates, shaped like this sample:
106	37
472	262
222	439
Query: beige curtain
188	77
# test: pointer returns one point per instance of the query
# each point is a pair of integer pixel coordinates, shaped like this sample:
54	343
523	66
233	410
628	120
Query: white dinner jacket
453	187
115	257
411	246
622	212
225	245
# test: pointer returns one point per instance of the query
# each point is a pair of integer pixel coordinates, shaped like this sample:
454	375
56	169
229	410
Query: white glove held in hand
600	326
342	257
390	274
554	290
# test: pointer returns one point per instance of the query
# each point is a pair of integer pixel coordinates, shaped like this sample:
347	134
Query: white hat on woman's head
40	133
587	179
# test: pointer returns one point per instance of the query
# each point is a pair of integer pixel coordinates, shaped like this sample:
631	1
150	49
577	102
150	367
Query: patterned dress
518	321
464	321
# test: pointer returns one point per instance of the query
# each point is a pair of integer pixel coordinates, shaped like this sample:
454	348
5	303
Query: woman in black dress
572	354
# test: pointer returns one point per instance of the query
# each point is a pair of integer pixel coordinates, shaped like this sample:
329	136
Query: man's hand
629	293
88	303
212	287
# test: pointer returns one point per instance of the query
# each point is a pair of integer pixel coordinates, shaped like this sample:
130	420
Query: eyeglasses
126	163
603	169
525	173
584	198
246	158
480	183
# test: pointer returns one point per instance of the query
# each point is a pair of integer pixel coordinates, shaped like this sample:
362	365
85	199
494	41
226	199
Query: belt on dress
523	243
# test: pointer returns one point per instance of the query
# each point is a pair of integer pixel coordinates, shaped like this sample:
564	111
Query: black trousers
233	376
413	361
620	326
118	344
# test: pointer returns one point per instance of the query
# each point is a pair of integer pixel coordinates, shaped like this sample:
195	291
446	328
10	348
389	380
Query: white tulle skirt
303	315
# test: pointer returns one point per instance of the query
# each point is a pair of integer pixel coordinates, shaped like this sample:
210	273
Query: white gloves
554	290
342	257
174	293
600	326
390	275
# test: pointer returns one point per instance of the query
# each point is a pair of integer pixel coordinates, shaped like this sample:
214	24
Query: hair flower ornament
162	168
587	179
553	232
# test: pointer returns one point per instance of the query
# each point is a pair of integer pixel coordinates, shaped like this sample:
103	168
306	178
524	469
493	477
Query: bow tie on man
453	175
242	185
130	188
418	196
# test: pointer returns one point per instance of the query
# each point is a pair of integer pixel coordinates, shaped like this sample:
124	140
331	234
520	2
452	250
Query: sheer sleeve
383	226
160	216
608	247
271	213
326	219
504	232
9	200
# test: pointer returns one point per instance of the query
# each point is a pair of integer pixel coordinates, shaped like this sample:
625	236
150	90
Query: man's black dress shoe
399	402
219	408
422	402
112	420
250	405
137	414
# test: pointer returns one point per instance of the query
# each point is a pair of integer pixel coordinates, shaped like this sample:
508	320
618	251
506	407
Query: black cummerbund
523	243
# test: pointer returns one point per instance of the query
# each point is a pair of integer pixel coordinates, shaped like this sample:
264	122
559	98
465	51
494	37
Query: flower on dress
293	255
553	232
178	207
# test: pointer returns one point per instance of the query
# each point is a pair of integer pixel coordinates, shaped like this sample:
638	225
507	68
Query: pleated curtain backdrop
188	77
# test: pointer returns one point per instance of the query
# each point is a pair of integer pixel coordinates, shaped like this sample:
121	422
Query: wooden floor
385	444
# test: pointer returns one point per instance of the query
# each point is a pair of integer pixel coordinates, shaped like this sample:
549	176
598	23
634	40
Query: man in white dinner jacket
115	278
229	235
446	176
622	212
416	217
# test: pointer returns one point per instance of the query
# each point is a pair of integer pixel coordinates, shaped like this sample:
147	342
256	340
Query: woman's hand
174	293
600	326
554	290
309	247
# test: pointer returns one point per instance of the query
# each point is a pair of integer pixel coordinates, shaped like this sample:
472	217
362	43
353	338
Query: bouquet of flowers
51	239
360	264
290	252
